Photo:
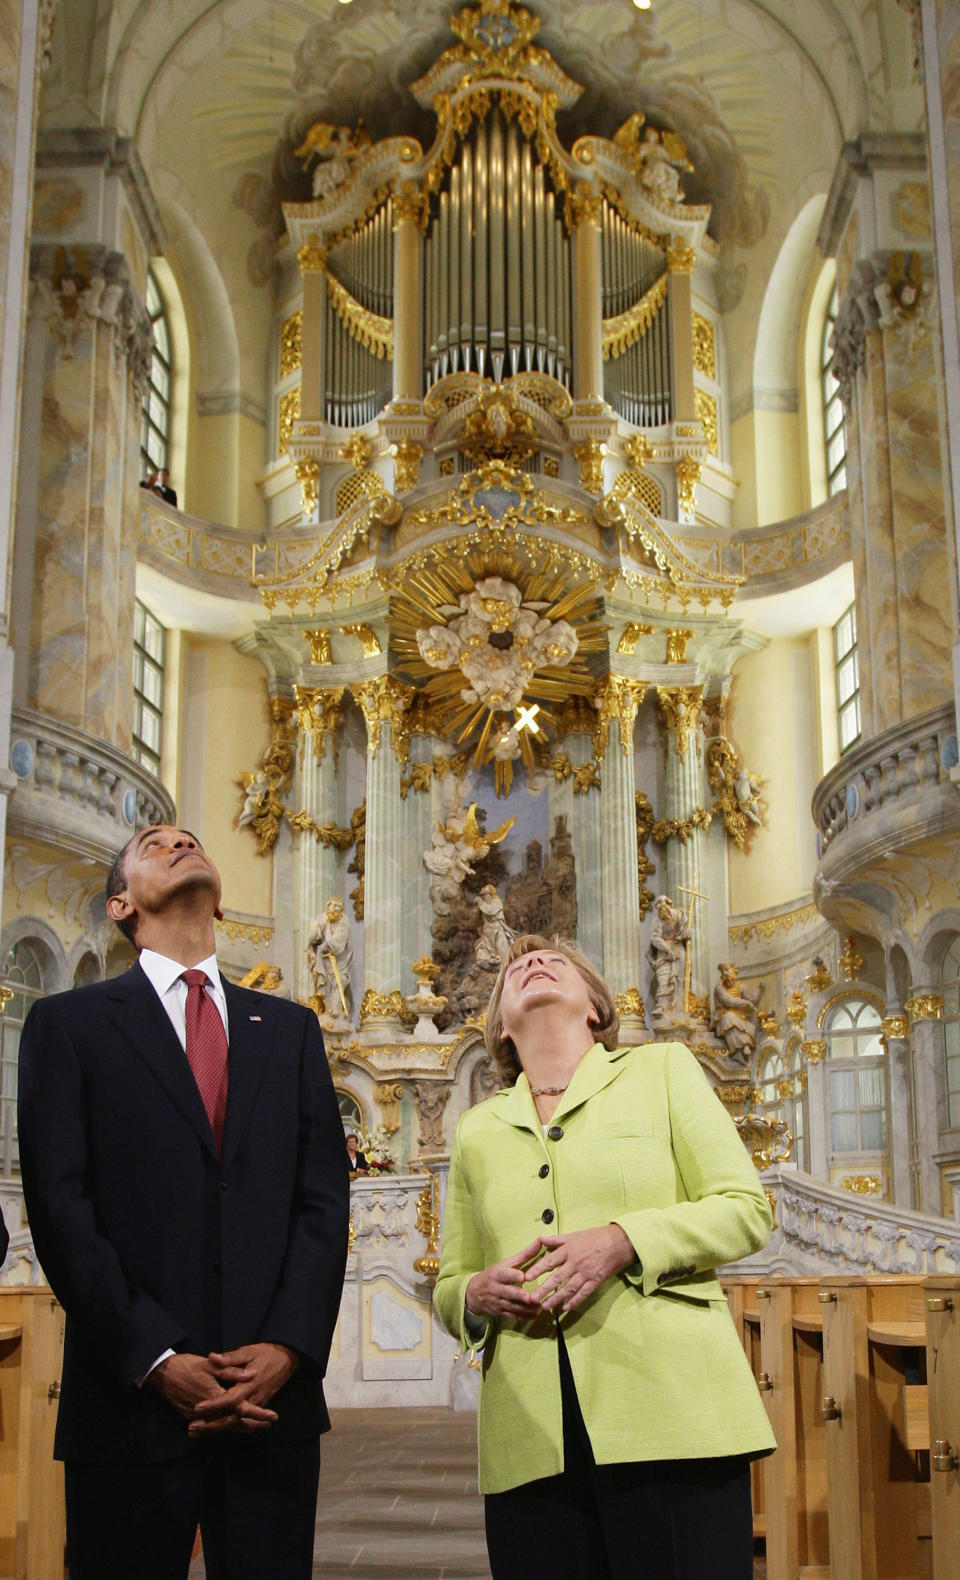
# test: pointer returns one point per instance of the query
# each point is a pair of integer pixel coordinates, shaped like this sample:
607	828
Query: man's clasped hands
225	1393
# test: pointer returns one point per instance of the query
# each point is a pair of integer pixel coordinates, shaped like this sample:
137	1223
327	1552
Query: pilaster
587	296
617	701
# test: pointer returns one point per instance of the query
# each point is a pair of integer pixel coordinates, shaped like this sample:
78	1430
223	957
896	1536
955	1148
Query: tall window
834	433
155	417
857	1077
950	980
23	973
148	652
848	677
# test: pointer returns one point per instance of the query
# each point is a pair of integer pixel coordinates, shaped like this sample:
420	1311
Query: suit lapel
597	1069
250	1042
135	1009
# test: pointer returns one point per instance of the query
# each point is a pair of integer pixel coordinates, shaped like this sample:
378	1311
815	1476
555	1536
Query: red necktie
207	1050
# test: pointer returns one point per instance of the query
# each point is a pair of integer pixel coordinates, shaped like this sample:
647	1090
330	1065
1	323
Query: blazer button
224	1185
544	1170
555	1132
547	1215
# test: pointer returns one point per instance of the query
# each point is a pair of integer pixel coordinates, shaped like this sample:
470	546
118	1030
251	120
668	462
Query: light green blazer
659	1370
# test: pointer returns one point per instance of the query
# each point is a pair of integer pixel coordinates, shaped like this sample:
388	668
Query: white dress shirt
166	978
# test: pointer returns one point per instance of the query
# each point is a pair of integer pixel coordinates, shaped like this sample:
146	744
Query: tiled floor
398	1499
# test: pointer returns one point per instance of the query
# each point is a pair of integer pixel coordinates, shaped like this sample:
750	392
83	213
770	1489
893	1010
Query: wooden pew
31	1481
942	1320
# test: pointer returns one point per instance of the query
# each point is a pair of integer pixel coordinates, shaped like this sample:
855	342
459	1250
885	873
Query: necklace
547	1091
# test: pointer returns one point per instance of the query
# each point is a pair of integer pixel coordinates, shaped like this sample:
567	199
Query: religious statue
669	942
657	157
262	808
495	936
746	788
333	147
330	954
736	1020
431	1098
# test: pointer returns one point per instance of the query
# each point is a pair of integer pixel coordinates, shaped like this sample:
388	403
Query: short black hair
117	882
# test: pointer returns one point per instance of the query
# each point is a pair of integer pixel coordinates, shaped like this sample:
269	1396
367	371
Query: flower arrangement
380	1160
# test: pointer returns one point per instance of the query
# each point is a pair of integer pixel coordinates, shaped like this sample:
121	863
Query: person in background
183	1171
356	1161
588	1206
150	480
161	486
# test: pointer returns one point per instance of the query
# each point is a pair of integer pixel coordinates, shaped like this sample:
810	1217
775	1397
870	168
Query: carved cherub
334	147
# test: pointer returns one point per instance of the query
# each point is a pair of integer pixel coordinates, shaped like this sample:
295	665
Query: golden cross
695	895
526	718
693	892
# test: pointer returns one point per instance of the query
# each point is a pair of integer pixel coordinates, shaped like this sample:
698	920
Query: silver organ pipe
497	264
358	382
636	383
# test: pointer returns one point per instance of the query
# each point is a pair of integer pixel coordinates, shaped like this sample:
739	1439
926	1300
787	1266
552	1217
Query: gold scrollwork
389	1094
250	932
862	1184
851	961
681	710
288	410
814	1049
704	346
407	456
631	636
925	1006
688	476
645	823
616	697
319	646
896	1027
589	456
677	646
681	258
629	1004
308	476
372	331
428	1224
385	700
623	331
768	926
383	1006
291	333
584	206
733	1094
411	205
796	1010
420	774
766	1139
705	407
585	776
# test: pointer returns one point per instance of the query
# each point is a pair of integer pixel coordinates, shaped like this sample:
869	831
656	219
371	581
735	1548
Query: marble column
587	295
312	335
937	37
316	867
585	821
684	790
681	261
818	1140
925	1007
384	701
26	28
617	701
877	223
905	1184
407	212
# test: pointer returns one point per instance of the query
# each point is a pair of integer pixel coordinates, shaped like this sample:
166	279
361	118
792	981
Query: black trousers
679	1519
255	1503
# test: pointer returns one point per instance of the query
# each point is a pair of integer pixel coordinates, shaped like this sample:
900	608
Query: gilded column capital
814	1050
681	259
681	709
312	256
925	1006
319	646
895	1027
411	205
385	700
616	697
688	476
586	205
319	714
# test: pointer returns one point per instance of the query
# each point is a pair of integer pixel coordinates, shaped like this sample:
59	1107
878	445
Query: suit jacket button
216	1266
224	1185
547	1215
555	1132
544	1170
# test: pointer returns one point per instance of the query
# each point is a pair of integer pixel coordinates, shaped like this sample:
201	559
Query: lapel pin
256	1017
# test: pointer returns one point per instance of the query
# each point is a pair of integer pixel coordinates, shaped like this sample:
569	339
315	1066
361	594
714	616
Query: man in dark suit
185	1179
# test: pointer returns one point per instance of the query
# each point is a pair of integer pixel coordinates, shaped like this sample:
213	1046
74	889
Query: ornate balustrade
76	791
820	1228
775	558
893	789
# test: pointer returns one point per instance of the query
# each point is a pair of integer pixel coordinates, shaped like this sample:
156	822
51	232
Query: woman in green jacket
588	1204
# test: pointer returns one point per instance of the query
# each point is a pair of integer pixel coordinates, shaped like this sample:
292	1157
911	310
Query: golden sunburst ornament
492	641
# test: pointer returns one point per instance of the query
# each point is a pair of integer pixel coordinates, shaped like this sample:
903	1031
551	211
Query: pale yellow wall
225	461
743	457
774	719
225	728
779	465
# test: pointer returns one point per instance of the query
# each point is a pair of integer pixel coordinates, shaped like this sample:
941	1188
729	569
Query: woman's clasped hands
566	1268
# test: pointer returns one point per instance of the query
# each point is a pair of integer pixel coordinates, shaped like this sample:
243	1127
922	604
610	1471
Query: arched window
834	432
857	1078
771	1080
797	1107
155	417
350	1112
950	980
23	975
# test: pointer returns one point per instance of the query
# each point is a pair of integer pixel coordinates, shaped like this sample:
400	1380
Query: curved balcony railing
776	558
895	787
83	795
820	1228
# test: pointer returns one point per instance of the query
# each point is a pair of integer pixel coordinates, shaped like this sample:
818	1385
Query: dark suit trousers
255	1503
659	1520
